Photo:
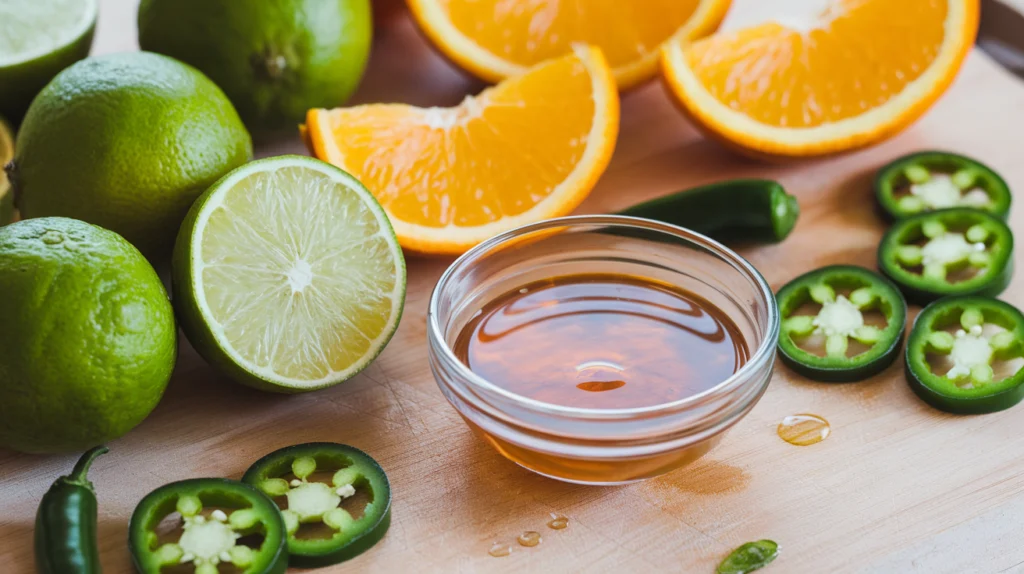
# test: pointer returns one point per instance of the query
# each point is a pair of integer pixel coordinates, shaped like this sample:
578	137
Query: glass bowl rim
722	253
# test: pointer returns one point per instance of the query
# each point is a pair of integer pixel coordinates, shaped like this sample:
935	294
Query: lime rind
87	342
256	364
34	28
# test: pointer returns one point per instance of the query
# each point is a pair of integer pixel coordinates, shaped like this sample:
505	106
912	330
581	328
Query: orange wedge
495	39
528	149
847	77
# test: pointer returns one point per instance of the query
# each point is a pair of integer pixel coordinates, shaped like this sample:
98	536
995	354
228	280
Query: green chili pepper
65	534
749	557
737	210
968	336
957	251
288	475
841	293
931	180
218	517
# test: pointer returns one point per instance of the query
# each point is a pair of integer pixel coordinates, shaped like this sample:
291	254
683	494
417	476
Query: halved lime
38	39
288	276
6	154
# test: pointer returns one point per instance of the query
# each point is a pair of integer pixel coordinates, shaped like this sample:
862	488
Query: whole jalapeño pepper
751	210
65	533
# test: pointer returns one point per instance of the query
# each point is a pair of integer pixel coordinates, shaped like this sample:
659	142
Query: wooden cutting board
898	487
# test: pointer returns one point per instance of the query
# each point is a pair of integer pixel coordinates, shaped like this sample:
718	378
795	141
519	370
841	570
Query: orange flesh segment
854	75
785	78
530	31
496	155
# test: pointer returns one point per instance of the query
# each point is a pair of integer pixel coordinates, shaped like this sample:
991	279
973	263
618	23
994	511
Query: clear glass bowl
602	446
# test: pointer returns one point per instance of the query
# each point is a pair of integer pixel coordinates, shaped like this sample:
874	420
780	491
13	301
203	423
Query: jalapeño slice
931	180
757	210
961	352
957	251
826	308
311	483
223	523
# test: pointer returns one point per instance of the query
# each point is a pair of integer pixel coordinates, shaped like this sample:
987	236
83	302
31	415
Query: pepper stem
81	470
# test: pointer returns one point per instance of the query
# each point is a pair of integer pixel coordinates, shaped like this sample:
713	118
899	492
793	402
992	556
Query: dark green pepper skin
754	210
936	390
856	368
372	526
65	533
921	290
890	176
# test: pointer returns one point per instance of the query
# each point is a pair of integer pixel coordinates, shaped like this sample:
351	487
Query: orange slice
495	39
850	76
528	149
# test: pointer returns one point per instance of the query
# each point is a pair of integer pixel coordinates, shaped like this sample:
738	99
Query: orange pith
527	149
855	74
498	38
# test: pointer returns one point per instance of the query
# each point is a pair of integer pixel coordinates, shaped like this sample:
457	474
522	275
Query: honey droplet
600	386
558	522
529	538
500	550
803	429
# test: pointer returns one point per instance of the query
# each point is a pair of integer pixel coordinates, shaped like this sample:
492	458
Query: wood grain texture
898	487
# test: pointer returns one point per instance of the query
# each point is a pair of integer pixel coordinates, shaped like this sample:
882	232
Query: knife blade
1001	33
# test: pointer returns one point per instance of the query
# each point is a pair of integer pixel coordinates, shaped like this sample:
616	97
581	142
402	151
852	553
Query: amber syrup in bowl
602	342
602	349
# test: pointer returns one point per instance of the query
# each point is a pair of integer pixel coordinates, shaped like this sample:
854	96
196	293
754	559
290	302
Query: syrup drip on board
804	429
499	550
558	522
530	538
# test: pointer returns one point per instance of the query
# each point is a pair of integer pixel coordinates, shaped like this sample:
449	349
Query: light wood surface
898	487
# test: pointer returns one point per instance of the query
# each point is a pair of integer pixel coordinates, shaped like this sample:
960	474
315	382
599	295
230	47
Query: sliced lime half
6	155
288	276
38	39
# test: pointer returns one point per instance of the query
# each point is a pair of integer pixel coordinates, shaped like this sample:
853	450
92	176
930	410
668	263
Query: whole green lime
87	340
127	142
275	59
38	39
